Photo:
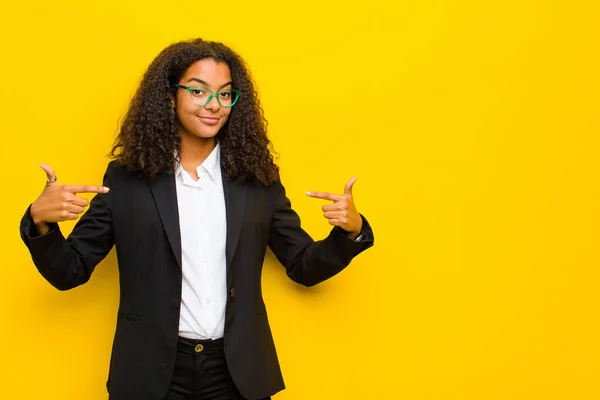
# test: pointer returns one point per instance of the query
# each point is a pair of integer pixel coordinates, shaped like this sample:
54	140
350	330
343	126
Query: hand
59	202
342	212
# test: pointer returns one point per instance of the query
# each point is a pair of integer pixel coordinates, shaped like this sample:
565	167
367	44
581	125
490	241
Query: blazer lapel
235	206
165	196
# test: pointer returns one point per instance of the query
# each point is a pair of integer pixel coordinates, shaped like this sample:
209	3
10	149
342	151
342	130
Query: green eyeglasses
201	95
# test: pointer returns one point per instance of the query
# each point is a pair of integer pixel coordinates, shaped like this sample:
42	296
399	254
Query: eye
225	95
198	92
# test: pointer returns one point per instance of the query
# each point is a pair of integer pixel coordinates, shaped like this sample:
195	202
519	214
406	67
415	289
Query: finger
335	214
335	222
333	207
64	215
86	189
74	209
71	216
79	201
348	187
325	195
49	172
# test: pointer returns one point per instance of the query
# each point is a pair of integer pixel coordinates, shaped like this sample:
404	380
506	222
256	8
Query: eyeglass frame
212	94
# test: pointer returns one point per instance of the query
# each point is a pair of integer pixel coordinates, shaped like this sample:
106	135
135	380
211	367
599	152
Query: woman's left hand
342	212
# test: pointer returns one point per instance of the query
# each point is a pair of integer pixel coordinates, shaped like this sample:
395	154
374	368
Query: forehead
210	71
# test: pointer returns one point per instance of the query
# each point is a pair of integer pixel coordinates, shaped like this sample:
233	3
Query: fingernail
105	189
308	193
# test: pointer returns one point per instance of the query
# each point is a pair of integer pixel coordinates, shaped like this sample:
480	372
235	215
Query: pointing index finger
325	195
86	189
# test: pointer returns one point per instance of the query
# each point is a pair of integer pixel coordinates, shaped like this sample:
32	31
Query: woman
191	201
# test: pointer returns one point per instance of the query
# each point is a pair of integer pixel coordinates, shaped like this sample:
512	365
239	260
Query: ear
173	101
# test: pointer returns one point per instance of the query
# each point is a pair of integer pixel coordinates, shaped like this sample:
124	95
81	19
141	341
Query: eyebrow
206	84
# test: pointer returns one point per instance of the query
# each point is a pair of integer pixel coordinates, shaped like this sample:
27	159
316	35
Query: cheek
183	103
183	110
179	114
185	120
226	114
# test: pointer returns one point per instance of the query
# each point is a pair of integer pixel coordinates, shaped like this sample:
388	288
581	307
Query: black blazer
140	218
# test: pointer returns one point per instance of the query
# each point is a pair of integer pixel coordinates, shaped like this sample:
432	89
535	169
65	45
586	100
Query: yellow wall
472	127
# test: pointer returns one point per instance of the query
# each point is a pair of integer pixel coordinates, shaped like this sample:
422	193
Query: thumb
49	171
348	187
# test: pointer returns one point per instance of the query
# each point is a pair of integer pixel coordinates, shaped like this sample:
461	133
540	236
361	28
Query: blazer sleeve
68	263
308	262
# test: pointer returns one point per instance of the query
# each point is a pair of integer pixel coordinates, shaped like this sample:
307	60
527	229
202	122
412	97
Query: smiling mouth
210	120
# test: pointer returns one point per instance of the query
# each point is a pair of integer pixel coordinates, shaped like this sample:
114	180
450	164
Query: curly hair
148	142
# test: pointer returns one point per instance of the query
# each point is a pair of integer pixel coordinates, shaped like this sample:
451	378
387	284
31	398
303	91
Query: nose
213	104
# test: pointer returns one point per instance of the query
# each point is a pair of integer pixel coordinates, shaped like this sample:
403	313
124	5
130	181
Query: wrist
352	235
34	215
356	234
41	226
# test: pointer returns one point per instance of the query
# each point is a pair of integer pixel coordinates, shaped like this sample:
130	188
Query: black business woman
191	201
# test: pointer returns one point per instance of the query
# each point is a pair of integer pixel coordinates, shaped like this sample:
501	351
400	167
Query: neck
194	151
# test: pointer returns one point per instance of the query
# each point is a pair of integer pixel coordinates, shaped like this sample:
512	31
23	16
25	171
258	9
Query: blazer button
232	292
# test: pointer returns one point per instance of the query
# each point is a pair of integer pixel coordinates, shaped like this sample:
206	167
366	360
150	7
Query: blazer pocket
130	317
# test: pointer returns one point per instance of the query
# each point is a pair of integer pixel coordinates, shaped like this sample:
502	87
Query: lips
209	120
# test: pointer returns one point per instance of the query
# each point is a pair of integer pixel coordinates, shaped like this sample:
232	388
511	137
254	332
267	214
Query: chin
206	135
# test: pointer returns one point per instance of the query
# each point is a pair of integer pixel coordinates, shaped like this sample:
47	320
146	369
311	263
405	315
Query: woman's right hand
59	202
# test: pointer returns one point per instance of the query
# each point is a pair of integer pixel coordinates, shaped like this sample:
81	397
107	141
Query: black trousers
201	372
